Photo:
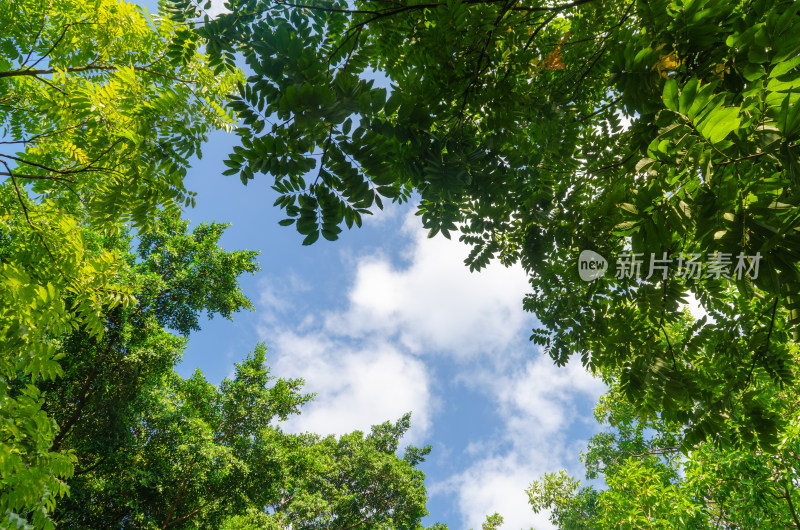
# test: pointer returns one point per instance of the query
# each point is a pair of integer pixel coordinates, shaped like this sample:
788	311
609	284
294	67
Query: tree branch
191	514
788	498
87	68
39	177
58	40
748	157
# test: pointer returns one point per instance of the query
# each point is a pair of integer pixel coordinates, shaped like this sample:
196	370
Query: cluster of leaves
651	483
506	119
707	170
191	453
46	291
153	450
97	122
104	106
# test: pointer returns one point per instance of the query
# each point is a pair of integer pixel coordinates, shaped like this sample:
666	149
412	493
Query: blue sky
386	321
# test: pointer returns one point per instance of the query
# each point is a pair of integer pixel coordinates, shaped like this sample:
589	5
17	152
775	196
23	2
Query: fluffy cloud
373	359
497	485
543	399
356	385
434	304
539	405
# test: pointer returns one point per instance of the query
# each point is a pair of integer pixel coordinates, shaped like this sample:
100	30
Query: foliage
197	454
178	274
651	483
107	105
571	507
492	522
45	293
98	117
506	119
153	450
103	108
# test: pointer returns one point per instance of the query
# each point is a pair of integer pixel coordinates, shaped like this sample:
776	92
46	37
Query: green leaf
719	123
670	96
311	238
784	67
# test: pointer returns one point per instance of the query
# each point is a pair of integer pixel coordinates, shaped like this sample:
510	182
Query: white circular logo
591	265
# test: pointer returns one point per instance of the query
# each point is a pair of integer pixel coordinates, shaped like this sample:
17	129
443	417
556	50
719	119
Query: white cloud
497	485
541	401
435	305
371	361
356	386
538	406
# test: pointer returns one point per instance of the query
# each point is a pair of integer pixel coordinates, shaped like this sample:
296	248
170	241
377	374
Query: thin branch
479	68
324	153
35	230
328	9
47	82
19	195
173	507
191	514
663	314
601	109
39	33
538	29
391	12
92	467
43	135
40	177
58	40
748	157
87	68
788	498
612	166
34	164
347	36
72	171
65	427
592	61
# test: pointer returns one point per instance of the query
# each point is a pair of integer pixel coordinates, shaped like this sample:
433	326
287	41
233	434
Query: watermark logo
591	265
716	265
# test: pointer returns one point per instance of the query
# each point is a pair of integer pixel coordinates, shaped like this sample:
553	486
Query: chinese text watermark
716	265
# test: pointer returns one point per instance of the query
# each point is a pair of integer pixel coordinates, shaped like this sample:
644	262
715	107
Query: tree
492	522
212	456
105	105
82	409
99	112
154	450
506	119
175	274
651	482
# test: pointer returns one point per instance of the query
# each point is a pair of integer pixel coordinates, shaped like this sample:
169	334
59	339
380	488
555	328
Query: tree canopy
661	136
507	119
99	113
102	106
651	483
